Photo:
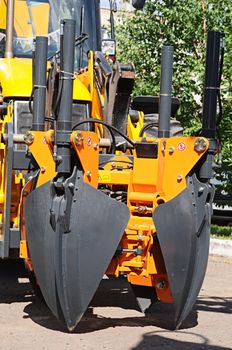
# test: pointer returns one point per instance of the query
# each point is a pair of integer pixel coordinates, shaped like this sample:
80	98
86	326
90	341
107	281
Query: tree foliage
183	24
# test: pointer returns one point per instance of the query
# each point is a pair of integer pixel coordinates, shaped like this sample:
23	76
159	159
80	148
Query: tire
175	126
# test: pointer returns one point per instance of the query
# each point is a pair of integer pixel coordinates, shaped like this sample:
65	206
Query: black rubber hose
109	127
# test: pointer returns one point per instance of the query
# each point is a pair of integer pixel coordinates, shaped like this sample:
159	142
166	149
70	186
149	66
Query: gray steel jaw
70	265
183	231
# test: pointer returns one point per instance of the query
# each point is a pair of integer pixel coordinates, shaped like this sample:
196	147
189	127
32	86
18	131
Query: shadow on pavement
15	287
155	341
111	293
117	293
215	304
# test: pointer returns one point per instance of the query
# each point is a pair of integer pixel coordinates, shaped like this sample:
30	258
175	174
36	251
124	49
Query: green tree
183	24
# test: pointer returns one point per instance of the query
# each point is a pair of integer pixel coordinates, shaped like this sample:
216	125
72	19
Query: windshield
42	17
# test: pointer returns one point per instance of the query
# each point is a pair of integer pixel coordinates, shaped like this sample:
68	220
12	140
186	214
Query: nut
200	145
29	137
142	209
161	284
78	138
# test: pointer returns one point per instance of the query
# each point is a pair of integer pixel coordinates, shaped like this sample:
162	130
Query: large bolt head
29	137
200	145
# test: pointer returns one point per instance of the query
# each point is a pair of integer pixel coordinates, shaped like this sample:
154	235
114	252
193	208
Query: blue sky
105	3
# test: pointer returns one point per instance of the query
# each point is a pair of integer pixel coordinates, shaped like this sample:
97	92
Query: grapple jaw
70	263
183	231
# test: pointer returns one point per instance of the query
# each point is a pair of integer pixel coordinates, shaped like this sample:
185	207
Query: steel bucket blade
41	242
69	265
97	223
183	230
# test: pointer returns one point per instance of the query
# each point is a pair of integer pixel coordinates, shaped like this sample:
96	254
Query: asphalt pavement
113	320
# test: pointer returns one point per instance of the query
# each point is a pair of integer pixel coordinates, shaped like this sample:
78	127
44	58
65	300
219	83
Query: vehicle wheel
176	128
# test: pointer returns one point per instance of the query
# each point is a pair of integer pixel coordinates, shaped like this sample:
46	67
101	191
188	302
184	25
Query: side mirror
138	4
108	47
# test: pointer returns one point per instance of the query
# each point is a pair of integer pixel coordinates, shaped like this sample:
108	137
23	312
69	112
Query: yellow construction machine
84	190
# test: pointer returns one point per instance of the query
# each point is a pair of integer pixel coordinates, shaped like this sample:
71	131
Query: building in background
105	11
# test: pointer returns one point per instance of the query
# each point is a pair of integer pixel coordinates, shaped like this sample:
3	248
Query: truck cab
42	17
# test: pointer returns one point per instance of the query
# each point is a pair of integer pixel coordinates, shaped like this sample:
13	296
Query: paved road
113	321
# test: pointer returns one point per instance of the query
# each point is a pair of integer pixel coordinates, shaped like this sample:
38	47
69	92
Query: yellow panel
22	22
2	14
110	177
80	91
16	76
134	129
38	12
86	76
16	79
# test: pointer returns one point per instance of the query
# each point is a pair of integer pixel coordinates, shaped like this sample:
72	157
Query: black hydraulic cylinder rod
64	120
212	81
39	82
211	84
165	100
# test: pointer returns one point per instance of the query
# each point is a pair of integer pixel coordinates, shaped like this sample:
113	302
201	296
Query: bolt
171	150
139	251
179	178
29	137
200	144
201	190
163	148
88	173
136	251
79	138
113	165
161	284
140	236
95	146
142	209
42	169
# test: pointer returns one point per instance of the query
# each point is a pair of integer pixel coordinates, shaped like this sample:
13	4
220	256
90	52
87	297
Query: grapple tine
183	229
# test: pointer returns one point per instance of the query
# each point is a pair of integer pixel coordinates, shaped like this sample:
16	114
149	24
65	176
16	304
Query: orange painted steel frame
148	184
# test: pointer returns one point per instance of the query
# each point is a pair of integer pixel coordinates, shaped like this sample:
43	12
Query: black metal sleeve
211	84
39	83
211	89
165	101
64	121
